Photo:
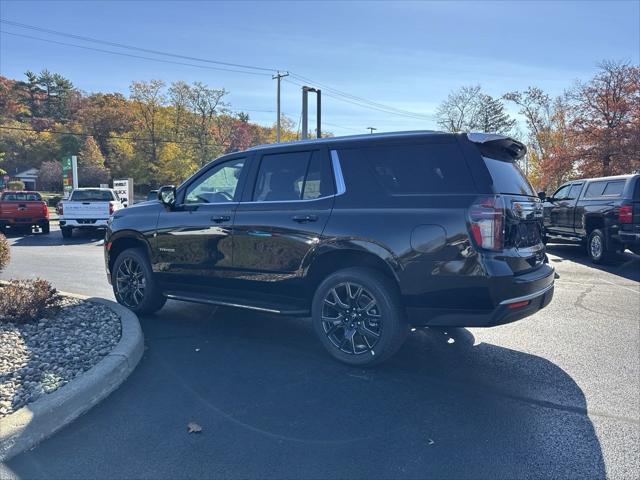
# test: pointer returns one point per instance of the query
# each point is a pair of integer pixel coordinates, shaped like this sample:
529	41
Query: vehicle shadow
273	404
626	265
37	239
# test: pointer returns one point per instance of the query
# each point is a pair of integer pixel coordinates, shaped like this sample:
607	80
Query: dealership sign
124	189
69	175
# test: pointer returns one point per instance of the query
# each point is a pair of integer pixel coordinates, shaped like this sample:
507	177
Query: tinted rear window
508	178
21	197
92	196
420	169
613	189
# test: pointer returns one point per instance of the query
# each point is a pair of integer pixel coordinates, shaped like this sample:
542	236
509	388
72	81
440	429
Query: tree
50	176
605	112
456	113
490	116
204	103
148	101
471	110
91	168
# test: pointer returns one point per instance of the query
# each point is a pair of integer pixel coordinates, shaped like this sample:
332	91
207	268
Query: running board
564	237
262	307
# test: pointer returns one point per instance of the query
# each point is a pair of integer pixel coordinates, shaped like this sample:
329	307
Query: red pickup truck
23	210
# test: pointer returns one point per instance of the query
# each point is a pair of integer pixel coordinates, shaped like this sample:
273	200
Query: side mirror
167	195
542	195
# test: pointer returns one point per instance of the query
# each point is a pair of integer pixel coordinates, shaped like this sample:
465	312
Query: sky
406	56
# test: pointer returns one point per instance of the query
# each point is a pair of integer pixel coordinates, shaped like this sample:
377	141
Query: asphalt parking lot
556	395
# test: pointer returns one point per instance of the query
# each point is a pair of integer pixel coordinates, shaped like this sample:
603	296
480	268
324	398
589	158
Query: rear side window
293	176
21	197
595	189
508	178
92	196
613	189
420	169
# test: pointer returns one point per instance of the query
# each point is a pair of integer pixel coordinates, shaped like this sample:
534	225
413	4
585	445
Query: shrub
4	252
26	300
15	185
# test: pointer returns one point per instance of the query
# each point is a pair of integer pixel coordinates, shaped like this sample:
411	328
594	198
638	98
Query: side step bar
233	303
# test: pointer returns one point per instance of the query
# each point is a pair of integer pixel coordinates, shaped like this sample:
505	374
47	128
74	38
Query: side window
613	189
293	176
218	185
574	193
594	189
562	192
420	169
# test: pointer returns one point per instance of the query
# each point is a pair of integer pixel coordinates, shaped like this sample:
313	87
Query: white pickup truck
87	208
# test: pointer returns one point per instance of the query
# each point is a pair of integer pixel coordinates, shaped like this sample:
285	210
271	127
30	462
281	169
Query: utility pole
305	111
279	77
371	129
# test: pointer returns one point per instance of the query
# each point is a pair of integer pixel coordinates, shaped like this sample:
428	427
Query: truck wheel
134	284
46	228
597	247
66	232
357	316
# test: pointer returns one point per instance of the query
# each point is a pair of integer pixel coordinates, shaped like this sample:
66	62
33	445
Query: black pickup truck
603	214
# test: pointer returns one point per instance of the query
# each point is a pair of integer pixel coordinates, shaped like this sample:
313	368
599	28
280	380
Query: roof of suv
352	138
613	177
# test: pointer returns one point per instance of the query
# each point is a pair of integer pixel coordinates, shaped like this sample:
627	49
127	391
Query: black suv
603	214
366	234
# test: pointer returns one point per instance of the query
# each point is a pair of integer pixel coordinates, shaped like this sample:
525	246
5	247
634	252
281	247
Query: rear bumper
83	223
629	238
18	222
518	297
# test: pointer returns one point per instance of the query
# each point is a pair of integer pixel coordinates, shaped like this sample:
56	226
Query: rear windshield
92	196
21	197
420	169
508	178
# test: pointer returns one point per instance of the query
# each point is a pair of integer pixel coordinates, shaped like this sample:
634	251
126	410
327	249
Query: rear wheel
66	232
597	247
46	228
134	284
357	316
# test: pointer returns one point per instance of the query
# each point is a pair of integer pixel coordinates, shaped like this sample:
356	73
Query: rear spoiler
497	146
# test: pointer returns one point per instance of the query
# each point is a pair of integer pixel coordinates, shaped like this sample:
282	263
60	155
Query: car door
568	212
281	218
193	244
554	209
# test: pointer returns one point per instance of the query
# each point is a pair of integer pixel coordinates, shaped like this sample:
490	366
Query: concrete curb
33	423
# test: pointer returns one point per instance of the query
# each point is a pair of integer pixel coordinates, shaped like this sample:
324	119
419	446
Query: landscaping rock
39	357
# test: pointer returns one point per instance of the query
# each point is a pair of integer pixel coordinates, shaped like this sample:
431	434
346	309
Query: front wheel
66	232
134	284
357	316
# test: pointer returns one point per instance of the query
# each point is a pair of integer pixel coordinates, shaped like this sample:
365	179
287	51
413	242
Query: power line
131	55
114	137
132	47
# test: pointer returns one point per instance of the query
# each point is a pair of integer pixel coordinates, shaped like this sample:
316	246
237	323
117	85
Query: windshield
508	178
92	196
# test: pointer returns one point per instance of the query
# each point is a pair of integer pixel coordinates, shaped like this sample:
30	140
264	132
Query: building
28	177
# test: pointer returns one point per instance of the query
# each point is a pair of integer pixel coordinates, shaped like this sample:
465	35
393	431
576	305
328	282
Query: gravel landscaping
41	356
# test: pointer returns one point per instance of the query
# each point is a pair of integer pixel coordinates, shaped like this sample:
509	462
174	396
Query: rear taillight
486	222
45	210
60	208
626	214
111	208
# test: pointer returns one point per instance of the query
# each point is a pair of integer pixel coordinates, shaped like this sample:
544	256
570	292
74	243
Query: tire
67	232
359	337
46	227
597	247
134	284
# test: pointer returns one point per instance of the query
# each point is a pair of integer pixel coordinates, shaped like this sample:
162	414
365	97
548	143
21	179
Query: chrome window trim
337	172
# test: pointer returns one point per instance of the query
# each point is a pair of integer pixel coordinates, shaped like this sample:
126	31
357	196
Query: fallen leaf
431	442
197	349
193	427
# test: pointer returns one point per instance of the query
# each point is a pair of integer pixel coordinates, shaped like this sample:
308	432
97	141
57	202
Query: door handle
304	218
220	218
